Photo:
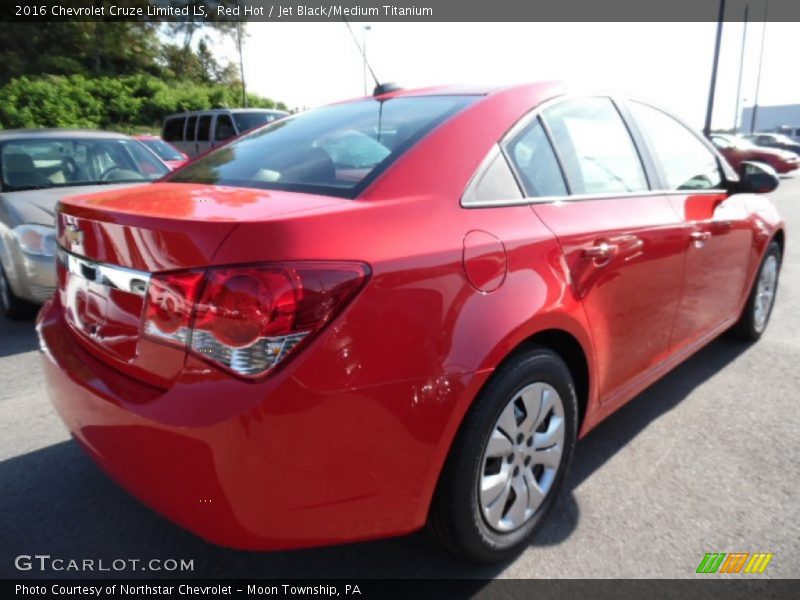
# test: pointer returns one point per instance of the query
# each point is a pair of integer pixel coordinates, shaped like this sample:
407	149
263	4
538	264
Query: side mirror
757	178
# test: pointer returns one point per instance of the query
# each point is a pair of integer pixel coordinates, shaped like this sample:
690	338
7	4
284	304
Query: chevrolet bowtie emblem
74	234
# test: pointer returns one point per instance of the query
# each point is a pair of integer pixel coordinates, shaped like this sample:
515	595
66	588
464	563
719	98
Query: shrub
129	103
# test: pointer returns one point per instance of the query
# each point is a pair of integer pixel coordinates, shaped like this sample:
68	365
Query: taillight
170	302
248	319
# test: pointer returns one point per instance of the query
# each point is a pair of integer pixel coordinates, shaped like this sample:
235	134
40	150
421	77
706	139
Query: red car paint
737	150
346	439
172	163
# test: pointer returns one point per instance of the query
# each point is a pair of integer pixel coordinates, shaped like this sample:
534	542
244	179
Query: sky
311	64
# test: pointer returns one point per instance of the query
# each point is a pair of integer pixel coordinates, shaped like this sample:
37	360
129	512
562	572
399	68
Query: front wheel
509	460
758	308
12	307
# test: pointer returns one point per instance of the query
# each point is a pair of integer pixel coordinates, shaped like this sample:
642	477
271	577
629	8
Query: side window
191	122
204	128
595	147
224	128
173	129
494	184
535	162
685	161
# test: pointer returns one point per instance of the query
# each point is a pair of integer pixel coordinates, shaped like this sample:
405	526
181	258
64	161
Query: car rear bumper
300	467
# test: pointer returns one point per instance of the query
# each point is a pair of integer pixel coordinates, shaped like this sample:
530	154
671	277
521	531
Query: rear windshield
163	150
336	150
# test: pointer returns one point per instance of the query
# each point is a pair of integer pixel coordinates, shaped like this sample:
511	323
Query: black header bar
395	10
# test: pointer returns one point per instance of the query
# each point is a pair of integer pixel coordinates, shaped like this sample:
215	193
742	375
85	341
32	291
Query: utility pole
713	88
364	31
241	62
736	121
758	77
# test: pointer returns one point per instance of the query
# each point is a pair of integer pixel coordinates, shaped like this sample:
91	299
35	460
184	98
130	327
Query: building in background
785	118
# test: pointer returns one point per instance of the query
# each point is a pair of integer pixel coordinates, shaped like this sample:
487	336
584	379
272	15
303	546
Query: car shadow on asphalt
17	336
55	501
613	434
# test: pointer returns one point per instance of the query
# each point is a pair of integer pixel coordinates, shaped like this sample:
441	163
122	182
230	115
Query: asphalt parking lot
706	460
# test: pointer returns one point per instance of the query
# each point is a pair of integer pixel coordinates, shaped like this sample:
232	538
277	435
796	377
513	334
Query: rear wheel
757	310
509	460
14	308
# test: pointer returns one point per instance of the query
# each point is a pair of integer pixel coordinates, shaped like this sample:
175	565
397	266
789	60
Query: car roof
461	90
16	134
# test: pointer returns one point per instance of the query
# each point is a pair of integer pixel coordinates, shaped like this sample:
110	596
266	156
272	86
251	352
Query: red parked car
168	153
736	150
397	311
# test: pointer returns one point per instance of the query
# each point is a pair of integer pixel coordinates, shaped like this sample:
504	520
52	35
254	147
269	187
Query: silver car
38	167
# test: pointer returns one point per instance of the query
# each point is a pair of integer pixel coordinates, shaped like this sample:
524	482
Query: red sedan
168	153
736	150
397	311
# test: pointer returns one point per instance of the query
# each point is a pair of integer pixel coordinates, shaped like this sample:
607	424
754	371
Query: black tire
747	327
456	519
13	308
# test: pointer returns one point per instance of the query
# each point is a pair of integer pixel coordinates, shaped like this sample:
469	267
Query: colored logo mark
735	562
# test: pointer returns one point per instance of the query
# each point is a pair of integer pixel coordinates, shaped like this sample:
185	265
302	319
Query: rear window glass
595	147
335	150
224	128
173	129
536	163
204	128
191	125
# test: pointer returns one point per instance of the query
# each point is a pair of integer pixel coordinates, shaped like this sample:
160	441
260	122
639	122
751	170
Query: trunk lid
110	243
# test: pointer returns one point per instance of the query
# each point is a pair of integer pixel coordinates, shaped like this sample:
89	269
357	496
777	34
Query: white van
195	132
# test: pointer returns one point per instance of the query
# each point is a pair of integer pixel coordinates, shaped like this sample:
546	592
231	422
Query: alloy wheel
765	292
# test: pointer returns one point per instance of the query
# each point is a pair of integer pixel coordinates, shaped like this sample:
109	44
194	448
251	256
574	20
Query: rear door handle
601	252
699	238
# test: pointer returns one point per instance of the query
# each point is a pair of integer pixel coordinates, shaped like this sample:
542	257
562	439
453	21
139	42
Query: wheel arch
780	237
567	345
572	353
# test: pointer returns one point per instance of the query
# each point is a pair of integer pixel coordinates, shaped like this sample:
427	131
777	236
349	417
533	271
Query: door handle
601	252
699	238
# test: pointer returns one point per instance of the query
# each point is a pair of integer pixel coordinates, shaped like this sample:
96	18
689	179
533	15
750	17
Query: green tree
115	74
90	48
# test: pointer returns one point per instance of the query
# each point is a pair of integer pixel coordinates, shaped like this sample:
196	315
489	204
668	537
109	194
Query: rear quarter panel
419	322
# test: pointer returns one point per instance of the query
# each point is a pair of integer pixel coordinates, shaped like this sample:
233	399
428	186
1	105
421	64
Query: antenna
361	51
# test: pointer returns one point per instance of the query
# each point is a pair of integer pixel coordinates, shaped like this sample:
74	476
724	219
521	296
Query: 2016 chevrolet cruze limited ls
397	311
